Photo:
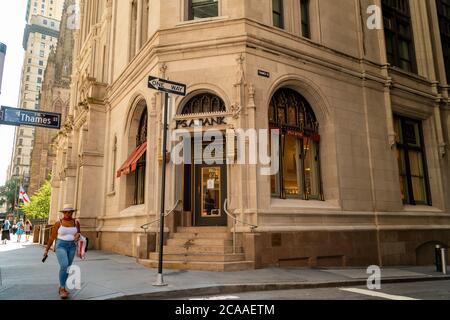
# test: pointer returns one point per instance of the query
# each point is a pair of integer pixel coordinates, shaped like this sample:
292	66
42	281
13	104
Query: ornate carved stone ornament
163	70
236	109
443	150
240	74
83	105
251	96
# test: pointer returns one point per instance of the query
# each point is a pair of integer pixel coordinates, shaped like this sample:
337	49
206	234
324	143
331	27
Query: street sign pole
160	279
167	87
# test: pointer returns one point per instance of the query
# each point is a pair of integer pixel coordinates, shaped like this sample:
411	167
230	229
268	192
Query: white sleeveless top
67	233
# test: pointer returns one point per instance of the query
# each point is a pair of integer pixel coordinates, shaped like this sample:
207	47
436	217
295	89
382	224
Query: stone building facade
361	115
54	97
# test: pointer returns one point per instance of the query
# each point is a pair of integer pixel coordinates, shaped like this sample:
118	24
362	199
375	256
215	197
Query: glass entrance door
210	194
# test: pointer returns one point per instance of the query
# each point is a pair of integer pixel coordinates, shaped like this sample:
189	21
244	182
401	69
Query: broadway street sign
167	86
18	117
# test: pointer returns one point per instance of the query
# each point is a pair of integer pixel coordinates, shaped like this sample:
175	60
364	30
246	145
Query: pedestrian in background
66	232
28	228
20	230
6	231
14	227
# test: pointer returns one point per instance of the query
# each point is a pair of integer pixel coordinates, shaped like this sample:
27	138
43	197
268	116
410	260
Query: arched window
139	193
299	175
204	103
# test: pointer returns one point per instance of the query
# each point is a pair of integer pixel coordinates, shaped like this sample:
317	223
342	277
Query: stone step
201	266
196	242
191	235
202	229
199	257
202	249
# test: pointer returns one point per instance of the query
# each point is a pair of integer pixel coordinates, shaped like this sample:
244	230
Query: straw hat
68	208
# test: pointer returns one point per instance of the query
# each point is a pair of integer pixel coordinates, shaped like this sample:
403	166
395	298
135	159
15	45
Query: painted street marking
376	294
217	298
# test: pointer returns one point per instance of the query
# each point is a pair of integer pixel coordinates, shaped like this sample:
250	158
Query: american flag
23	195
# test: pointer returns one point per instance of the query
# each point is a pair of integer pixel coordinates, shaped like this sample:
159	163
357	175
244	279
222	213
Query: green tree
39	205
9	193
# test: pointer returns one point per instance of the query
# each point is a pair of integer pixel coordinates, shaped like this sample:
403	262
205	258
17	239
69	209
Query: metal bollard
444	260
438	258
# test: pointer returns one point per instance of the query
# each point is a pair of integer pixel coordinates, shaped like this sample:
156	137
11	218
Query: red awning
130	165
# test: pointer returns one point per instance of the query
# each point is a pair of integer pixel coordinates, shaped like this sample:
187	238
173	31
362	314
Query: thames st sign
23	117
167	86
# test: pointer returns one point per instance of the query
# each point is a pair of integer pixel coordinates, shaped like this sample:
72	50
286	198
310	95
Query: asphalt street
435	290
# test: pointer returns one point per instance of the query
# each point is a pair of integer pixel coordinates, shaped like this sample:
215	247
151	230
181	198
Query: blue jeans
65	252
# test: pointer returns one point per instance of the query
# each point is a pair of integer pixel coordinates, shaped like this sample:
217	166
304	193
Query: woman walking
66	232
28	227
5	231
20	230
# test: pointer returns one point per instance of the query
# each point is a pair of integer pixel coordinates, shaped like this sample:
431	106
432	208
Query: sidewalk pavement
110	276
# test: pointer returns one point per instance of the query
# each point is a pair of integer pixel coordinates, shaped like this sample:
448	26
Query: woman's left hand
77	236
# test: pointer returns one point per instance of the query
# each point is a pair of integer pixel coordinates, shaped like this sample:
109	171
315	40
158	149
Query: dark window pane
411	162
398	34
204	9
277	8
443	7
304	5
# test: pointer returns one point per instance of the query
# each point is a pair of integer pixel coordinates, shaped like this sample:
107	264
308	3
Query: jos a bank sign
204	122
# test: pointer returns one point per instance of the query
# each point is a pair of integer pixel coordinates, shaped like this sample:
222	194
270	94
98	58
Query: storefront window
411	162
299	175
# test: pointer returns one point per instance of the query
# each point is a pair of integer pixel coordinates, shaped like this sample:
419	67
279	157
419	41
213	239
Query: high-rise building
55	97
359	112
40	38
46	8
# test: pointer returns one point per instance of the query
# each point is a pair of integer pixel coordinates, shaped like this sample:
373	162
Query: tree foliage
39	206
8	193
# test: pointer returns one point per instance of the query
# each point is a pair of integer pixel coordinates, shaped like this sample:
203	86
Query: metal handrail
252	226
146	226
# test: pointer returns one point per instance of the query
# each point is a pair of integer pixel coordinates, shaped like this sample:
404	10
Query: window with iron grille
399	34
204	103
444	25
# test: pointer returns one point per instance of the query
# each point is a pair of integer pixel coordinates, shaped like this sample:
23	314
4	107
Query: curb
241	288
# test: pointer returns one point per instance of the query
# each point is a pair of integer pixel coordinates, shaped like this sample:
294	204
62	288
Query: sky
12	24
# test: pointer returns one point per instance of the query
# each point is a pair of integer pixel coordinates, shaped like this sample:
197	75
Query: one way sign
167	86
